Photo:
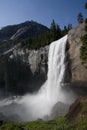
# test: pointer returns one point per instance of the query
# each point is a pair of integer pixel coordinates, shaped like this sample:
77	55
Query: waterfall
56	68
38	105
41	103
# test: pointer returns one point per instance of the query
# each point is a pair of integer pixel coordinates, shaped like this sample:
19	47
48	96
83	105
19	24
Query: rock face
37	59
78	72
31	65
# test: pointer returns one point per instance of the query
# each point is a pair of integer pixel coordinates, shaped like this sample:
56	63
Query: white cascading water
40	104
56	69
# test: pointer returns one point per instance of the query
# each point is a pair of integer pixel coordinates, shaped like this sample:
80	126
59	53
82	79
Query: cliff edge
78	72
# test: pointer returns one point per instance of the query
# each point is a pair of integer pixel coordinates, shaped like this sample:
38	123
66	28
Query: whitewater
39	105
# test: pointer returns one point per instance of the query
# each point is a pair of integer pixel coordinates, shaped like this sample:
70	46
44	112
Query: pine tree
69	27
58	32
83	49
55	31
80	18
86	5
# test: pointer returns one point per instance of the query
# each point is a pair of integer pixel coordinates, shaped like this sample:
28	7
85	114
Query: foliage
37	41
80	18
56	124
55	31
86	5
83	49
66	29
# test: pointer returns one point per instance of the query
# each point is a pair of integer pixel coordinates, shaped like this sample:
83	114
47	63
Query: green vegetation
83	49
54	33
57	124
80	18
61	123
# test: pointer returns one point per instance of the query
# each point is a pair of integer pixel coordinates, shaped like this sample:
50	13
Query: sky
64	12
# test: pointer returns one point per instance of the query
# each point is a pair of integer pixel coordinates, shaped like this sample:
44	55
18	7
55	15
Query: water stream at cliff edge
40	104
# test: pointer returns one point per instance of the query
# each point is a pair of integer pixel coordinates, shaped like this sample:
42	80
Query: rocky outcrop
74	109
78	72
36	59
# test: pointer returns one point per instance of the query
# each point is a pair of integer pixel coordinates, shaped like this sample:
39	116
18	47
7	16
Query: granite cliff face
36	59
77	71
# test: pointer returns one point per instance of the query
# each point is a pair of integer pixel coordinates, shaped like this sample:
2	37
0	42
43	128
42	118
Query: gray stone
37	59
78	72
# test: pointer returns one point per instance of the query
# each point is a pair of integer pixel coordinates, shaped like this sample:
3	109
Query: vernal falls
52	96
